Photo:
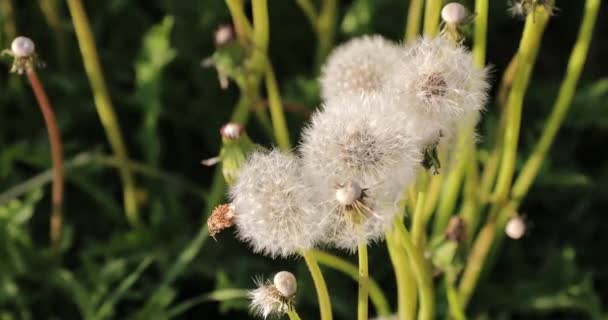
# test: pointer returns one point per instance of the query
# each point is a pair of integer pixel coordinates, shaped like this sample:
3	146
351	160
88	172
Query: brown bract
456	230
221	218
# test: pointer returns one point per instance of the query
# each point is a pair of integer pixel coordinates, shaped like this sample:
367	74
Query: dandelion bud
236	146
454	13
223	35
456	230
231	131
361	65
348	193
274	211
22	47
221	218
516	228
286	283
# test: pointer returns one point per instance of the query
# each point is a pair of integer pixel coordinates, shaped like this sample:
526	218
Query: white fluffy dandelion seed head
362	139
453	13
274	210
286	283
438	84
516	228
361	65
23	47
266	300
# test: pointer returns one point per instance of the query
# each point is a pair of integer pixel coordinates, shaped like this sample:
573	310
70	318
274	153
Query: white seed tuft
286	283
267	301
453	13
274	211
23	47
361	65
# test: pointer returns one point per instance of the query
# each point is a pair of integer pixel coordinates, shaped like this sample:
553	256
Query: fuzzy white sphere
361	65
358	140
438	86
274	210
453	13
516	228
265	301
23	47
286	283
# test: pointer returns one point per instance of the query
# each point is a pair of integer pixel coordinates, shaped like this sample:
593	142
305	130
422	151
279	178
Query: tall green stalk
432	12
363	296
320	285
104	106
414	15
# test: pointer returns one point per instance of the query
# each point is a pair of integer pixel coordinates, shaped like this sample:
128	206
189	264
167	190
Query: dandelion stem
261	34
480	33
456	310
293	315
104	105
7	15
419	224
421	271
326	26
362	305
320	285
414	15
431	17
241	23
375	292
406	292
56	224
277	113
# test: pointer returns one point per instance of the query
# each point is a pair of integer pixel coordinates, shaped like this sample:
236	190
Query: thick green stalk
562	104
326	29
363	297
527	54
406	292
419	224
277	114
375	292
423	274
241	23
261	34
104	105
414	15
320	285
293	315
431	17
480	33
456	310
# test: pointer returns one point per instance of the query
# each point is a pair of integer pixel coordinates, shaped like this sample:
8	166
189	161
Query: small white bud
453	13
348	193
286	283
223	35
231	131
516	228
23	47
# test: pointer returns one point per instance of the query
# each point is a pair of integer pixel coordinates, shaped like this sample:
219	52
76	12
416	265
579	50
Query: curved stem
56	224
241	23
431	17
362	305
375	292
419	224
456	310
414	15
406	292
277	113
320	285
104	105
423	275
293	315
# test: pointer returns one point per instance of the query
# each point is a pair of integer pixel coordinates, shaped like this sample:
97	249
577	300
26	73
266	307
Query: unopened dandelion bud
286	283
221	218
23	47
223	35
236	146
456	230
516	227
231	131
454	13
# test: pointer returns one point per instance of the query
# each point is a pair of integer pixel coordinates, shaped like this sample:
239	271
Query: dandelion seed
274	210
273	298
358	66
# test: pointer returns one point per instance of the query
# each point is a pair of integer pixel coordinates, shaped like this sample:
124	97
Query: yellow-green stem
375	292
241	23
261	34
456	310
320	285
432	11
104	105
293	315
49	8
419	224
414	15
527	53
421	271
363	297
277	114
309	10
480	33
562	104
7	15
326	26
406	286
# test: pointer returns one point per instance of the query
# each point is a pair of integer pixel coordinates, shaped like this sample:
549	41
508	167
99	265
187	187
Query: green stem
527	53
320	285
51	13
375	292
7	16
276	110
419	224
414	15
293	315
309	10
261	34
363	297
456	310
241	23
104	105
480	33
406	292
423	274
326	30
562	104
431	17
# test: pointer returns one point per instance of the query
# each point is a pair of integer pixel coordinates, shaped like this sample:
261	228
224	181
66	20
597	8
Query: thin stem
241	23
406	292
326	25
362	305
56	224
217	295
375	292
480	33
277	113
419	224
527	53
414	16
423	275
563	102
456	310
7	15
320	285
51	13
293	315
431	17
261	34
104	105
309	10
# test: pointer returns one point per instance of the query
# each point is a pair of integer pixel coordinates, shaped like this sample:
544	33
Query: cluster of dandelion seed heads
273	298
273	209
358	66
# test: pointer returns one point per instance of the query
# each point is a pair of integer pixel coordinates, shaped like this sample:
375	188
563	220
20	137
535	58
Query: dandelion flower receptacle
274	298
273	208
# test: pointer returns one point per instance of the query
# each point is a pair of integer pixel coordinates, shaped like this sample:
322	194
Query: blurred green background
170	110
